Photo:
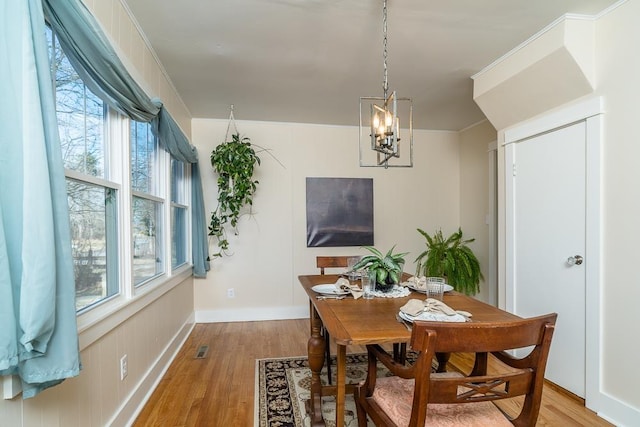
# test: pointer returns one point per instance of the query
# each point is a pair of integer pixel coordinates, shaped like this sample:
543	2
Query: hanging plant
234	162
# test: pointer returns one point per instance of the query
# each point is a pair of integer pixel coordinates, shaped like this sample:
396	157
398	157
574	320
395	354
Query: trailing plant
450	258
387	268
234	162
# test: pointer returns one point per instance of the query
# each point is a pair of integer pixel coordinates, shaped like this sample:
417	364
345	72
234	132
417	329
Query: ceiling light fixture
383	126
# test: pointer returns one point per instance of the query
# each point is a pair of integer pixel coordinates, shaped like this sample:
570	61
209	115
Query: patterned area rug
283	386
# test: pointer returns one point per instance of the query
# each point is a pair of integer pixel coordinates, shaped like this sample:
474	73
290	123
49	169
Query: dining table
361	321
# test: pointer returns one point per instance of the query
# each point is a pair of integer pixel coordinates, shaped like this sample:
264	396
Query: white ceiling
309	61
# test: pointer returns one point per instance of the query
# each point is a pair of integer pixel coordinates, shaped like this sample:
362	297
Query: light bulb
388	118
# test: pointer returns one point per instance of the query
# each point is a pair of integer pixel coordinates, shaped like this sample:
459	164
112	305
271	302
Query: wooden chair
452	398
323	262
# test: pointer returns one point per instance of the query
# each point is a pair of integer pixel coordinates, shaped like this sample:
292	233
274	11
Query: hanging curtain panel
38	337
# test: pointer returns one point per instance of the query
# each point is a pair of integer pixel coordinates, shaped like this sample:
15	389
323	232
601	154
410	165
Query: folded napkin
433	309
436	306
417	282
421	282
343	284
413	307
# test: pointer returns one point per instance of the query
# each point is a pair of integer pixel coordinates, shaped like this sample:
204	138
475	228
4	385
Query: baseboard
616	411
134	403
253	314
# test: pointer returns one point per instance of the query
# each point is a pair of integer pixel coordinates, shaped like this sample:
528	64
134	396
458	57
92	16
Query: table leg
442	359
315	350
480	365
341	367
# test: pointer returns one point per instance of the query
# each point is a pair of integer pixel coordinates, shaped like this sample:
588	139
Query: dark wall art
339	212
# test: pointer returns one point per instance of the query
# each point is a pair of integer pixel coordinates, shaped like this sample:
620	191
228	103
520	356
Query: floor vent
202	352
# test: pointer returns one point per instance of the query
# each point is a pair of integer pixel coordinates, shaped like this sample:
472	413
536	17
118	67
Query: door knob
574	260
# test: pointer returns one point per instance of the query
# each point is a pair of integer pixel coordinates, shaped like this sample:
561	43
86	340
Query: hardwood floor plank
219	390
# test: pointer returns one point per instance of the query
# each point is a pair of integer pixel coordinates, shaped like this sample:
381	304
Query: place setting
424	284
432	310
338	290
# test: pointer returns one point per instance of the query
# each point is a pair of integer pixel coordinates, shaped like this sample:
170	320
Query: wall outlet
124	367
231	293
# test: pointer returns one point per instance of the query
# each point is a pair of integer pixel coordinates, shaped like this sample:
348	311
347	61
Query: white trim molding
253	314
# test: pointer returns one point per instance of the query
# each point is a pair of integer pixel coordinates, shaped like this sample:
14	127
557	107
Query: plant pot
384	287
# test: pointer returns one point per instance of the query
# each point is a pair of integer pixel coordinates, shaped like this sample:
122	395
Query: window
178	214
93	200
123	193
147	207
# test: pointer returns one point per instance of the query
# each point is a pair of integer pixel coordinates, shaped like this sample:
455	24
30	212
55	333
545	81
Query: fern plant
234	162
450	258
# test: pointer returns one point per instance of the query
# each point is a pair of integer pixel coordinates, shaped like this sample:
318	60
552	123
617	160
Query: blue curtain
102	71
38	334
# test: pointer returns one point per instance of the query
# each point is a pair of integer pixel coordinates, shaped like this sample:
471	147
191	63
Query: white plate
328	289
410	285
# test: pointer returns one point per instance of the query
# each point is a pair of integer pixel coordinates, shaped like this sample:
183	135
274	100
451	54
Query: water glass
367	287
351	262
435	290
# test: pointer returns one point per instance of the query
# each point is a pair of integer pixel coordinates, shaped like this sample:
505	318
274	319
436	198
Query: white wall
474	197
271	251
617	37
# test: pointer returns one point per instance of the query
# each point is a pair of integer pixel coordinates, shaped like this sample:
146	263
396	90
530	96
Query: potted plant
450	258
387	268
234	162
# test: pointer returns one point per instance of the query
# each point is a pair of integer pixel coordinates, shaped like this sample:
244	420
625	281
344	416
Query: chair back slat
323	262
484	337
480	388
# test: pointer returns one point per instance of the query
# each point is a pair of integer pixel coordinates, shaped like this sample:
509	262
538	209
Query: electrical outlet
231	293
124	367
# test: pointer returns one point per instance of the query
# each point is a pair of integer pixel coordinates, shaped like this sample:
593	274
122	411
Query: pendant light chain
384	118
385	85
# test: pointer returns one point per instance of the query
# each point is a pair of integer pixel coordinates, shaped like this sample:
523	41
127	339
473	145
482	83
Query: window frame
100	317
184	202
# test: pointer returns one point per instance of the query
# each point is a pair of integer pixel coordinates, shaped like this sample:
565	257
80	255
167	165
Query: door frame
591	112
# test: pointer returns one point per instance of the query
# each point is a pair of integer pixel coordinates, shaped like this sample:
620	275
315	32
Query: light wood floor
219	389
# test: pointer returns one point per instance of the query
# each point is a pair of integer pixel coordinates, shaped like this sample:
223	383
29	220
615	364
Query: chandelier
383	122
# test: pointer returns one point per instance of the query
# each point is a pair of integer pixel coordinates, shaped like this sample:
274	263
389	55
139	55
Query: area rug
283	386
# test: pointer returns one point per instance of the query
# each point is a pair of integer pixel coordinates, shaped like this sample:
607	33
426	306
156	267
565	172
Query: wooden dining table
361	322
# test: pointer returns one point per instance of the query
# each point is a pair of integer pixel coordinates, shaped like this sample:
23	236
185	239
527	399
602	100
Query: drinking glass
435	290
367	287
351	261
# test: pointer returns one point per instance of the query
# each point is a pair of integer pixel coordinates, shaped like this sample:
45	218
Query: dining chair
416	396
322	262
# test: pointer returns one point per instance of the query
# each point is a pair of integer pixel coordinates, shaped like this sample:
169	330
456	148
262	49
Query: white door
549	194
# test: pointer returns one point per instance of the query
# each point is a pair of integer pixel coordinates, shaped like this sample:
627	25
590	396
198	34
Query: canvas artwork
339	211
